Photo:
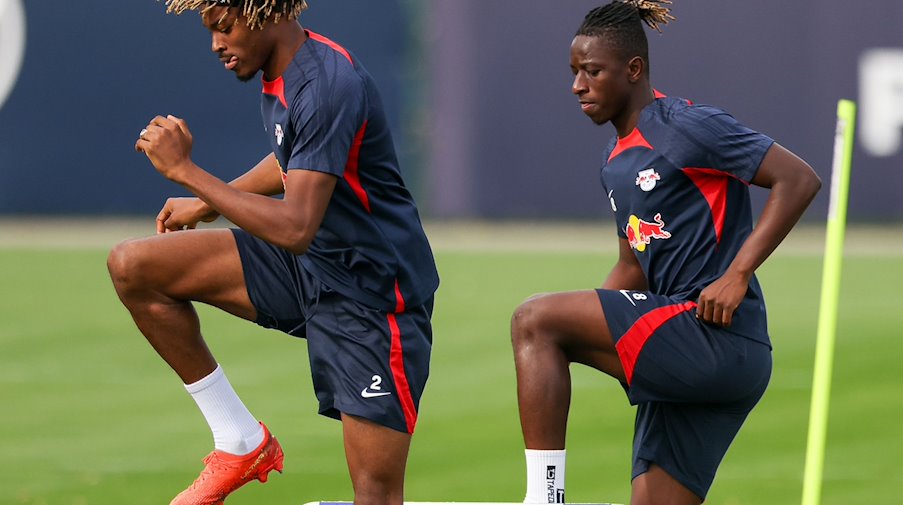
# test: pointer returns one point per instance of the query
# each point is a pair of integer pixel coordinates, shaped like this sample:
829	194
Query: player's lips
230	62
587	106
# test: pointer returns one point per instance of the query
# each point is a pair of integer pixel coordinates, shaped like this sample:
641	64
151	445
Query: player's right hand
183	214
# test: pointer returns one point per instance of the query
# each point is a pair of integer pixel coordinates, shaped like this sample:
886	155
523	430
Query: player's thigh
195	265
283	292
688	441
575	322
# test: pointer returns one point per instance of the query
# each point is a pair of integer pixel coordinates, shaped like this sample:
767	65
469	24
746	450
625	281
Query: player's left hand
718	301
167	143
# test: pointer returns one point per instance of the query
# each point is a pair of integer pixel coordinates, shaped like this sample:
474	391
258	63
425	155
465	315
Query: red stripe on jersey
352	176
634	139
341	50
399	299
631	344
277	89
713	186
396	363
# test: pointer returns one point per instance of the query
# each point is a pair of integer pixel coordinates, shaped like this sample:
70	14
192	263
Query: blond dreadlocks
621	24
257	12
653	12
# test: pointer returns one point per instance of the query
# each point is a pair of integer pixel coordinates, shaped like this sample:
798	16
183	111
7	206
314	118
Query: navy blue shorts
693	383
365	362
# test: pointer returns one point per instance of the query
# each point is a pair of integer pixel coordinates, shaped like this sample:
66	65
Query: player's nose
578	87
217	45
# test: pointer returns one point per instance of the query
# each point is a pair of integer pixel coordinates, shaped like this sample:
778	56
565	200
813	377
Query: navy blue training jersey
324	114
678	184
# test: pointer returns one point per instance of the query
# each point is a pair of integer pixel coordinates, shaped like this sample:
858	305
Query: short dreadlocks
256	11
621	24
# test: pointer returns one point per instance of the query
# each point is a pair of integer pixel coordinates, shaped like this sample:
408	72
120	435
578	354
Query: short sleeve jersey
324	114
678	185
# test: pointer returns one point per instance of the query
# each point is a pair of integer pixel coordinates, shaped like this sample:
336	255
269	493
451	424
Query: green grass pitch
90	415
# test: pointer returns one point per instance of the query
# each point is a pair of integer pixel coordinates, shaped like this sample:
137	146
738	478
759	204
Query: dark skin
551	331
158	278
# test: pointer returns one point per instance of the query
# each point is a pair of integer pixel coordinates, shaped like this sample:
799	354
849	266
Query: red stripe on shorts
396	362
631	344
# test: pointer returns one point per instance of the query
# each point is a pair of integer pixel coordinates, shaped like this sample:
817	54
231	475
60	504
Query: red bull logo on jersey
640	233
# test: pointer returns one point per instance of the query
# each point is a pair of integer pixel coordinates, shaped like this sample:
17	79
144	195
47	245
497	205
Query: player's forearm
264	217
263	179
786	203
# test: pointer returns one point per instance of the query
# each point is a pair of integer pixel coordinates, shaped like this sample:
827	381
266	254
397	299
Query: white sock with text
545	476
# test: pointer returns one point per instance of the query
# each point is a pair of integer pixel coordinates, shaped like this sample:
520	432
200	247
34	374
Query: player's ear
635	68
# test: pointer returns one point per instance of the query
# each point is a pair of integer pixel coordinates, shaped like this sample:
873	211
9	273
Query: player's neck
630	116
292	38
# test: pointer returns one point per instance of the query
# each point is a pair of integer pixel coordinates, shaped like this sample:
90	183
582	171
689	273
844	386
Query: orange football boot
226	472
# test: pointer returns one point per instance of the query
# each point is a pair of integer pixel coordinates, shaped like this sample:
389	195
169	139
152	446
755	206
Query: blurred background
505	169
478	93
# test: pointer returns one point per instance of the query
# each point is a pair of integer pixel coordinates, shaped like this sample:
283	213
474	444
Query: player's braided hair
621	24
255	11
618	12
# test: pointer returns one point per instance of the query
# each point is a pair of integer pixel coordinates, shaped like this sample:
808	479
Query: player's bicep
307	195
779	165
265	178
270	175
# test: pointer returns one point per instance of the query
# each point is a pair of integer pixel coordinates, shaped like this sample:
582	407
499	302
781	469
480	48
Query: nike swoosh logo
368	394
624	292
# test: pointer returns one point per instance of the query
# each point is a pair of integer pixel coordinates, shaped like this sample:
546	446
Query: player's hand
167	143
718	301
183	214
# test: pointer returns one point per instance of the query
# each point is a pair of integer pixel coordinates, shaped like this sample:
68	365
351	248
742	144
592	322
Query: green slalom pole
830	294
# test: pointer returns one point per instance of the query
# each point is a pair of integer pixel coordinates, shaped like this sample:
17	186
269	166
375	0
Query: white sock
545	476
234	428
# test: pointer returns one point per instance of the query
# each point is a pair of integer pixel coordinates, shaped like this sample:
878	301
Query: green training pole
830	294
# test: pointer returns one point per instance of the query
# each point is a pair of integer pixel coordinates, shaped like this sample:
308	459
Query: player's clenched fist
167	143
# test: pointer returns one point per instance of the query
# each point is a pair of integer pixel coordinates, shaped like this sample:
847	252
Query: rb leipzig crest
646	179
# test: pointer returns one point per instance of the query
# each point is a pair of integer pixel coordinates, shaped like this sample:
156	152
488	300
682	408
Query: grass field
92	416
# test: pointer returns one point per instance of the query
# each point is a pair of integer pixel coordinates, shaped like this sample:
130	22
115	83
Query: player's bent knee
527	320
125	265
117	264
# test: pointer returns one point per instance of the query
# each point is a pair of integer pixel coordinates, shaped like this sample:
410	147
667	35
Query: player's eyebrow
226	21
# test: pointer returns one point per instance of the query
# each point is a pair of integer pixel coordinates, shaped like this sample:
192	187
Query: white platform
444	503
